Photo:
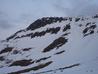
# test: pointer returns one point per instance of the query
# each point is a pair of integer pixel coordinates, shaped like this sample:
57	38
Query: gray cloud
4	24
77	7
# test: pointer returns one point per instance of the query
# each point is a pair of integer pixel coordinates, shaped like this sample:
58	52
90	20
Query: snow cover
80	51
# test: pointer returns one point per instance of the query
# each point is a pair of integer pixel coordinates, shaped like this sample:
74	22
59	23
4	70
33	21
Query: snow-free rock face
56	45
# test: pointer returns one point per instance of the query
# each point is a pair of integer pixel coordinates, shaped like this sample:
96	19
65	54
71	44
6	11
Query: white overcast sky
18	14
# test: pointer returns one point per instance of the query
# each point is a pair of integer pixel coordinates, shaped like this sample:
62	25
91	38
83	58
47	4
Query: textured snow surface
73	51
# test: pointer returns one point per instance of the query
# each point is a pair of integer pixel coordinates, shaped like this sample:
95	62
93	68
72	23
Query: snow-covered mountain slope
52	45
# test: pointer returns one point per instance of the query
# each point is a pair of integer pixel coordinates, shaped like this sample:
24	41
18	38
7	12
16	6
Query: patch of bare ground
89	30
56	44
40	66
2	58
7	49
45	58
60	52
27	49
22	63
58	69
